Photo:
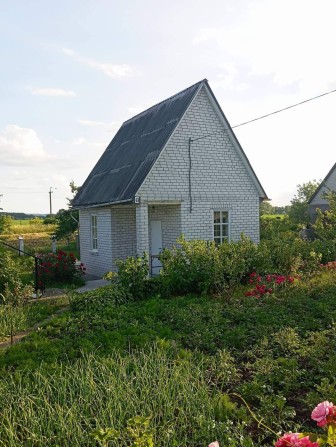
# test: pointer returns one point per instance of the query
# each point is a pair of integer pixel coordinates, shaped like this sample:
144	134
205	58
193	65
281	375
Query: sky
72	71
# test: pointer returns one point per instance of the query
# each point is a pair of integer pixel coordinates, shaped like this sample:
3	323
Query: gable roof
323	184
129	157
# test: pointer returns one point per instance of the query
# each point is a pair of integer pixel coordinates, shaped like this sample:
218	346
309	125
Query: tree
67	223
67	220
266	208
5	221
325	225
298	212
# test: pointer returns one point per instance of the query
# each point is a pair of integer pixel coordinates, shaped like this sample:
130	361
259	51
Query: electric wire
267	114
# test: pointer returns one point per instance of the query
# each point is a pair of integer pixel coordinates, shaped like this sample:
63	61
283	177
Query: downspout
189	176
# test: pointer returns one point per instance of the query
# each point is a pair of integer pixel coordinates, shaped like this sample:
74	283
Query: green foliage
283	229
132	276
67	223
64	406
96	300
5	223
325	225
11	286
266	208
50	220
203	267
298	212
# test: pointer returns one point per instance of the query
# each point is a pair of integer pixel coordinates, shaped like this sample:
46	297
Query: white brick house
176	168
318	199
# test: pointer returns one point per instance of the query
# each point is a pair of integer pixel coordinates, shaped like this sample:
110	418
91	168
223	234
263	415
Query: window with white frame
221	226
94	238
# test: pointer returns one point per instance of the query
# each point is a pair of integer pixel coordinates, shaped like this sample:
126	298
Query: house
176	168
318	199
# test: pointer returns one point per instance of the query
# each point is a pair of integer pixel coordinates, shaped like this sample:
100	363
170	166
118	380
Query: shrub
59	267
96	300
132	278
11	285
204	267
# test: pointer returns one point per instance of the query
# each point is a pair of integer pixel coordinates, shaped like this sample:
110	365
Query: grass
102	363
64	407
24	317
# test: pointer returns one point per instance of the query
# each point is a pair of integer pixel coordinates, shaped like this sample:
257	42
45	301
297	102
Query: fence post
21	246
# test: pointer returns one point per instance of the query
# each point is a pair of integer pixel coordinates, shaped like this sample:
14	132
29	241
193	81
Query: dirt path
18	337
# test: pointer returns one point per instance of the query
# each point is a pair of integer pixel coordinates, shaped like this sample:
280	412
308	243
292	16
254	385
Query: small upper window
221	226
94	238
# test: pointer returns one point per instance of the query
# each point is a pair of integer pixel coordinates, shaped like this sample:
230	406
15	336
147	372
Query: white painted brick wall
170	217
100	261
141	221
123	233
331	184
219	178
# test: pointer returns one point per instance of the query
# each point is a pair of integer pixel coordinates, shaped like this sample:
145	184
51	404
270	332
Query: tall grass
24	317
63	407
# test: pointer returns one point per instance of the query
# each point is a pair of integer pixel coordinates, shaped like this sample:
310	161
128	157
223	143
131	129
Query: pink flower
214	444
295	440
320	413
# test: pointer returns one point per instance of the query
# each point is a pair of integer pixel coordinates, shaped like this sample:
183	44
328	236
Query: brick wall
123	233
219	178
100	261
331	184
170	217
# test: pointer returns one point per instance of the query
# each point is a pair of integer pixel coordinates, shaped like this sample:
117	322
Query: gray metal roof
129	157
131	154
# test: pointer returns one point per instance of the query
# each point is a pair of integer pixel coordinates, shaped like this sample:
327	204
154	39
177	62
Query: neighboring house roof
322	185
129	157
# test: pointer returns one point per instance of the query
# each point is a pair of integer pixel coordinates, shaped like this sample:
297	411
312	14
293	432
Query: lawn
180	362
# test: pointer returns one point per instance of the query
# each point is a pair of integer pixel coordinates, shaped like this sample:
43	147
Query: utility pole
50	204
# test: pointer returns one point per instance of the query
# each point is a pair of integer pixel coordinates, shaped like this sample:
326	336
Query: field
180	363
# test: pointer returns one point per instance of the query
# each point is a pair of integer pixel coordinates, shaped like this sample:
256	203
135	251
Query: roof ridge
165	100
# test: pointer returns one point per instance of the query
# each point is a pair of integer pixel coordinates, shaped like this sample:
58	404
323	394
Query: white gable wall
219	178
330	185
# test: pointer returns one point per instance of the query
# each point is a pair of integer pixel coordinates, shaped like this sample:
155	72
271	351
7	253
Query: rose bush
325	416
268	284
58	267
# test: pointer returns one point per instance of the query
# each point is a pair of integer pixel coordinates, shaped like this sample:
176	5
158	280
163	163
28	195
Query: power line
285	108
268	114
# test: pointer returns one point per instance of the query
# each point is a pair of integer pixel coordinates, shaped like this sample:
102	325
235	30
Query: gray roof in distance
134	149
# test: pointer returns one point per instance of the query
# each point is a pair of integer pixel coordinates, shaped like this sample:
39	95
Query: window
221	226
94	238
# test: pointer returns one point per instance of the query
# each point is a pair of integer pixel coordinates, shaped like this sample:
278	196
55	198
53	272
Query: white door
156	240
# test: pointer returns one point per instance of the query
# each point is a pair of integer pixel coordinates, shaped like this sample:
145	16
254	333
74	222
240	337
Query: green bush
203	267
11	286
132	278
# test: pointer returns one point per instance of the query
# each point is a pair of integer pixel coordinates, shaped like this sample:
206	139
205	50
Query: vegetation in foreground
180	362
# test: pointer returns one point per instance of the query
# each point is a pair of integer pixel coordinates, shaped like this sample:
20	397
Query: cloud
21	146
116	71
282	39
51	92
